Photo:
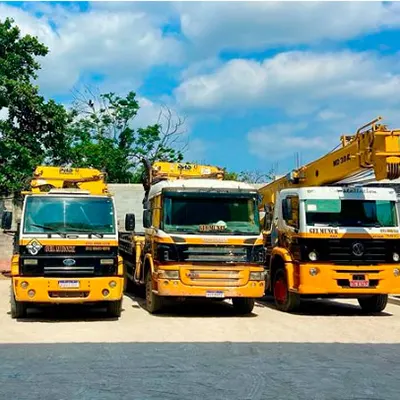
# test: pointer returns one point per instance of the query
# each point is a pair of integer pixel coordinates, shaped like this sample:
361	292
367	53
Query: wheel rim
280	291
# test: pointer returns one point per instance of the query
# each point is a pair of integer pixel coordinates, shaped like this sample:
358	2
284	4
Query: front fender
287	260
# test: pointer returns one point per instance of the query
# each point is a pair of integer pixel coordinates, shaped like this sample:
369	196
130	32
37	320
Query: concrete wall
128	199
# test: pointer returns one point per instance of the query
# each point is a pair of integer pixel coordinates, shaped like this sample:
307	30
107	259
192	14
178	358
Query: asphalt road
200	351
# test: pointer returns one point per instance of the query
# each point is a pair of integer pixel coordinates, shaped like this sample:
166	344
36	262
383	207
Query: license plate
359	283
68	284
218	294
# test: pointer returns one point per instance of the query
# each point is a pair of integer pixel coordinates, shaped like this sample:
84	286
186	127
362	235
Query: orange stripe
71	242
348	235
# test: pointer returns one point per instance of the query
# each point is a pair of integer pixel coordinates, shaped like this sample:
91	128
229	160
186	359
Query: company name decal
324	230
59	249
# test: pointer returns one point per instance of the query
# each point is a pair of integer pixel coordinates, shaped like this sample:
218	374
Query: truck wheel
114	308
284	299
154	303
18	308
243	305
373	304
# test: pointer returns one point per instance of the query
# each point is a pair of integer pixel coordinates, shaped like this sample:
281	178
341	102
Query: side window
290	211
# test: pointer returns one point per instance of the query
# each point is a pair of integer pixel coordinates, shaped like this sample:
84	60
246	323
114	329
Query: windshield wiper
90	233
186	230
374	225
50	228
240	233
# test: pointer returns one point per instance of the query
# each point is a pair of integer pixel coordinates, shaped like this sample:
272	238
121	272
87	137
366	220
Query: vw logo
358	249
69	262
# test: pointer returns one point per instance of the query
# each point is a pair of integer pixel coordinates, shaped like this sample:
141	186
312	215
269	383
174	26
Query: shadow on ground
324	308
217	371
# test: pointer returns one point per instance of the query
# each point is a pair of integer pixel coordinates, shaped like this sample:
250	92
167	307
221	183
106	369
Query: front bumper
167	287
334	279
47	290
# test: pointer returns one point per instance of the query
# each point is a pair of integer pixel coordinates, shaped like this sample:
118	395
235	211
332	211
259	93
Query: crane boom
373	146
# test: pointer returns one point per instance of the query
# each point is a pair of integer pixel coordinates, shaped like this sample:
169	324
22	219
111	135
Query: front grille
88	266
228	254
341	251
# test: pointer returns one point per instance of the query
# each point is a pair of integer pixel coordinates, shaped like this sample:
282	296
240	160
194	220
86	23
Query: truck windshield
211	214
351	213
69	215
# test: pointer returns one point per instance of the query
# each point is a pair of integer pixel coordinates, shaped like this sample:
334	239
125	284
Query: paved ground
200	351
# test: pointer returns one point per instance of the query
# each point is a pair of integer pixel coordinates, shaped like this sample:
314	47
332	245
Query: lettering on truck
341	160
323	230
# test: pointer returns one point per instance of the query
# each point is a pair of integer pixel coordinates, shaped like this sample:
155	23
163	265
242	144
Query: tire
18	308
154	303
243	305
373	304
284	299
114	308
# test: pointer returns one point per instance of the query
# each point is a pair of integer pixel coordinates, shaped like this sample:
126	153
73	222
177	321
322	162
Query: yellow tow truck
327	239
201	238
66	245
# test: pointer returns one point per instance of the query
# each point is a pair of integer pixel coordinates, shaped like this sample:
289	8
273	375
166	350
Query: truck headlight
312	255
166	252
256	276
396	257
167	274
107	261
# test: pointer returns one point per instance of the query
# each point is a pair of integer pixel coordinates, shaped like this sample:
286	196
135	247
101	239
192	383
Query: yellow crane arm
373	146
50	177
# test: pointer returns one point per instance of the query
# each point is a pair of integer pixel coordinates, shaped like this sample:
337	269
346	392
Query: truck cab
334	242
202	239
66	246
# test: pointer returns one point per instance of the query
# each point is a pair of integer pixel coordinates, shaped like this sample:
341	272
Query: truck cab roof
342	192
198	184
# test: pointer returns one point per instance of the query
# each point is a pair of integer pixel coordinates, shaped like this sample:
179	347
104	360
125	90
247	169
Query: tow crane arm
46	178
373	146
160	171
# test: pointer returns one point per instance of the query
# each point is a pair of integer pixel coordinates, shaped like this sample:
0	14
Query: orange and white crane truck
201	238
324	239
66	245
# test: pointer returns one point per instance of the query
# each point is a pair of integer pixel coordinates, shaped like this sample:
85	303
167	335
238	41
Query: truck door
289	223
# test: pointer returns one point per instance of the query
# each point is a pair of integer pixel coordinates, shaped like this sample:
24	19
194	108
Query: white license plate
68	284
218	294
359	283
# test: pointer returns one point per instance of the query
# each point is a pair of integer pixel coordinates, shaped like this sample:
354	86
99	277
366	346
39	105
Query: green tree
250	176
33	131
102	136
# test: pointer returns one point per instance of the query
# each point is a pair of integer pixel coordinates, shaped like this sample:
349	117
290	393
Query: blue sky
257	82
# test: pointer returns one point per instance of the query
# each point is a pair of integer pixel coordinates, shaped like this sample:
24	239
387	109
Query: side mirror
6	220
130	222
146	219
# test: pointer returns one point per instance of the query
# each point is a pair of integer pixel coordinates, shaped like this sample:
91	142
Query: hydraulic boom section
46	178
373	146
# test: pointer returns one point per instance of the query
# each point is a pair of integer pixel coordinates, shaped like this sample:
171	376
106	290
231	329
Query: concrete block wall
128	199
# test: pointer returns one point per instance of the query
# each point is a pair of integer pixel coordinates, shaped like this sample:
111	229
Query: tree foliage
102	135
250	176
33	130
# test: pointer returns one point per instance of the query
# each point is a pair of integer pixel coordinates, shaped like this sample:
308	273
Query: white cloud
120	43
215	26
280	141
297	82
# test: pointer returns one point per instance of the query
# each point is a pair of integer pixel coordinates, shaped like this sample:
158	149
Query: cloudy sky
256	81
